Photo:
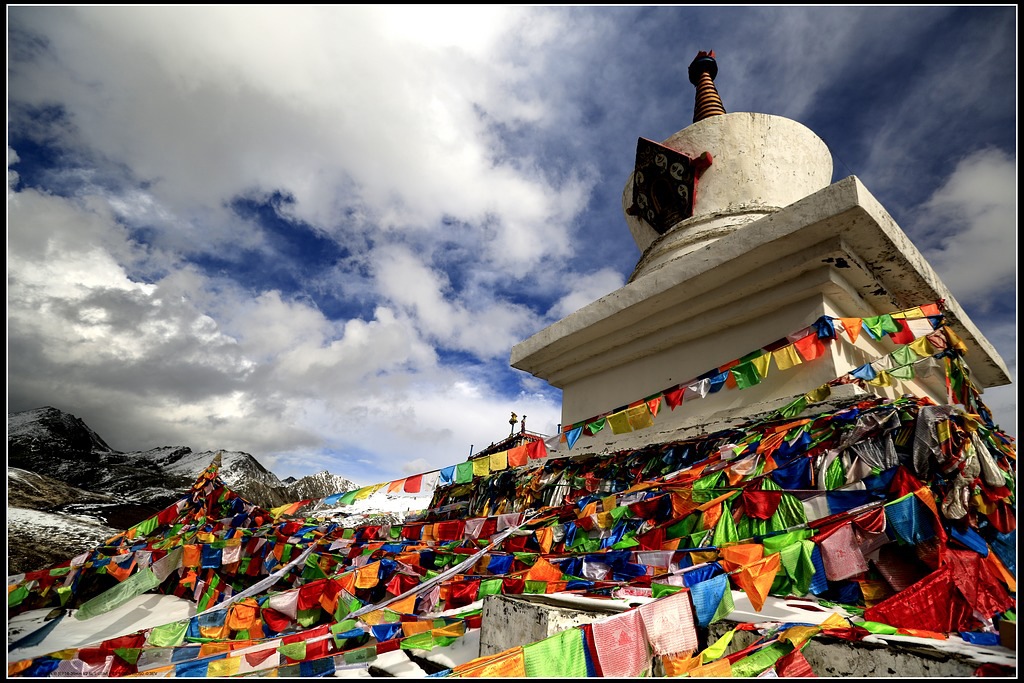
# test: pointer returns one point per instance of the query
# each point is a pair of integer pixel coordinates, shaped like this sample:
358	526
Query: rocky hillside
62	475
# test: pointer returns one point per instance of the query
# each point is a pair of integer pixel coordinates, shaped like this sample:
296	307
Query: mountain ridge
58	466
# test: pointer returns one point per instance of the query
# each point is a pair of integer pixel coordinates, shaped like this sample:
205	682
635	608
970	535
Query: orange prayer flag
677	665
190	556
542	570
518	456
366	577
411	628
720	668
508	664
406	605
396	486
654	405
348	582
736	556
756	580
545	536
243	615
711	517
853	327
1001	571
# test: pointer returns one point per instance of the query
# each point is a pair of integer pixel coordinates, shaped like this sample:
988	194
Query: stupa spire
702	71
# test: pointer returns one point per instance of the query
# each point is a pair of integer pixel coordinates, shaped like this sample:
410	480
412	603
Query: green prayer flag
559	656
136	584
168	635
348	498
363	654
464	473
628	541
312	570
597	425
526	558
904	373
877	627
661	589
16	596
489	587
795	408
835	476
296	651
903	355
128	654
761	660
880	325
418	641
725	607
683	527
774	544
535	587
308	617
725	529
745	375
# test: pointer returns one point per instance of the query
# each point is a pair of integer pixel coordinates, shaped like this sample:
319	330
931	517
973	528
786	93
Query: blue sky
314	234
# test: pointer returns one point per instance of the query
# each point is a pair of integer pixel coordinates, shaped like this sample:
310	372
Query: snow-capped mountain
62	475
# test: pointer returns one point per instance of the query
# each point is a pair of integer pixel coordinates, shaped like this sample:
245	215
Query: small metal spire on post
512	421
702	72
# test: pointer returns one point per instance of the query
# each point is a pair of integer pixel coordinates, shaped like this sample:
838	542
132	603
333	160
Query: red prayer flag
761	504
794	665
674	398
810	347
536	450
904	336
412	484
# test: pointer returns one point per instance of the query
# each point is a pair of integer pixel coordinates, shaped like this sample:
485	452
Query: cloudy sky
314	234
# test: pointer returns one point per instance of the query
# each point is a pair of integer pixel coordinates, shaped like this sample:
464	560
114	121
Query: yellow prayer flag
922	347
718	649
834	621
499	461
450	631
481	467
219	668
619	422
819	394
761	364
882	379
640	416
364	493
798	635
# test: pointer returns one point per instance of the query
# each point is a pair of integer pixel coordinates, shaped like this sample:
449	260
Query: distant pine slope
59	468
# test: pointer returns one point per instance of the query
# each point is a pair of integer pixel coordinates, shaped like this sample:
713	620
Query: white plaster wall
760	163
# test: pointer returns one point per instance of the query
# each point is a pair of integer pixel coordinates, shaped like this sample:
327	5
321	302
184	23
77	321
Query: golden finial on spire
702	72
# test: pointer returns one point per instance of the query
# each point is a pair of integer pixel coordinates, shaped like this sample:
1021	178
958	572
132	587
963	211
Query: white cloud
972	218
189	361
586	289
